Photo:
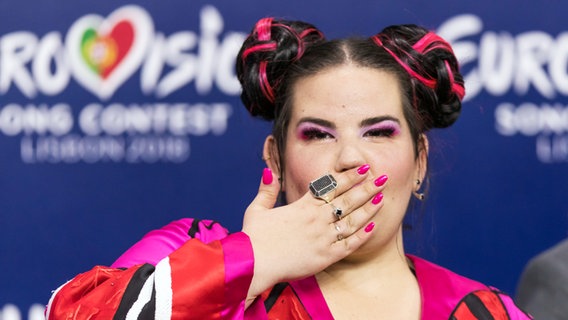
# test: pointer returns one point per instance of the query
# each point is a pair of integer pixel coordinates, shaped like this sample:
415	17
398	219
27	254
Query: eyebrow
321	122
371	121
363	123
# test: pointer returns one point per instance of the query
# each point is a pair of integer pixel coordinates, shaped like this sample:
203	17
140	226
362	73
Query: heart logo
104	53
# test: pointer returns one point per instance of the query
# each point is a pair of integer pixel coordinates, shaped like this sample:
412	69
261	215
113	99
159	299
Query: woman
347	152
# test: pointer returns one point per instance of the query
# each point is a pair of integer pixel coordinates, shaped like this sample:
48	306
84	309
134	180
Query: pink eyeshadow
383	125
307	127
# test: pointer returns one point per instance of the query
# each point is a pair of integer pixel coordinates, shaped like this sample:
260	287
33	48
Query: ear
423	150
271	156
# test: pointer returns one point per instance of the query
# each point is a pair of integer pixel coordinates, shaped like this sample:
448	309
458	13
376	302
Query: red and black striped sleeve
488	304
197	281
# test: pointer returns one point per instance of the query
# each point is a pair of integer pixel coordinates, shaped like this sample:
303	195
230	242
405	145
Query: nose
349	156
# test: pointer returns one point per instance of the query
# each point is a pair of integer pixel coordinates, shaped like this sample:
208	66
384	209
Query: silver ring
339	235
324	187
337	212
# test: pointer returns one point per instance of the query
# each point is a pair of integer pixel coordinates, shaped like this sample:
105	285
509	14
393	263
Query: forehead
347	90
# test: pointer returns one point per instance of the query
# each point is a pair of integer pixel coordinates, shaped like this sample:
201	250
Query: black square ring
324	187
337	212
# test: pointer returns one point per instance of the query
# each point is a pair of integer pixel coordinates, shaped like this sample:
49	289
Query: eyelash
310	134
381	132
315	134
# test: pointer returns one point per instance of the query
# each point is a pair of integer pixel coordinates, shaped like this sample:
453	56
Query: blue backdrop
116	119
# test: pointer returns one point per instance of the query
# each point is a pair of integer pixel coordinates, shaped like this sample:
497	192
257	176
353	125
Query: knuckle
348	244
347	203
351	179
371	188
348	221
337	227
370	210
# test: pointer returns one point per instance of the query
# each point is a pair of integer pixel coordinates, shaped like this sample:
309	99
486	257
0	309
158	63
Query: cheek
301	168
295	178
400	168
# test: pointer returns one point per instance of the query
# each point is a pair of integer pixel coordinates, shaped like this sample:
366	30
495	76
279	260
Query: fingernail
363	169
370	227
267	176
381	180
378	198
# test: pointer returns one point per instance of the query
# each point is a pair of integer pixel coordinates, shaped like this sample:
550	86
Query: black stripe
133	290
274	294
477	307
149	310
195	227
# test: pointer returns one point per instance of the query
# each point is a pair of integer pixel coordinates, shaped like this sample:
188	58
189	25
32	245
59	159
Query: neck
374	283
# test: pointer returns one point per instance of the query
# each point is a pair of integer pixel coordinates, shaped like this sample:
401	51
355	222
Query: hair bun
433	68
268	51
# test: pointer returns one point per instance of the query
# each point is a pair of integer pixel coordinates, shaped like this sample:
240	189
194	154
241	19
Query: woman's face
342	118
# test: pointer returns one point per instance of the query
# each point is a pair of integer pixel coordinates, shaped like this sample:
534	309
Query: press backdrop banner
117	118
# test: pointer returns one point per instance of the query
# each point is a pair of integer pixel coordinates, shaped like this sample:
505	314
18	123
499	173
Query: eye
383	129
314	134
381	132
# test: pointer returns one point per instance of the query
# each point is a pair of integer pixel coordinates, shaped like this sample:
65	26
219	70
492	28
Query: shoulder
544	281
434	279
189	228
553	261
204	230
158	243
546	271
488	304
446	294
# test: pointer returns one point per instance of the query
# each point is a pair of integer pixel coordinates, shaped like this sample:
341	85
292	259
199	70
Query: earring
419	195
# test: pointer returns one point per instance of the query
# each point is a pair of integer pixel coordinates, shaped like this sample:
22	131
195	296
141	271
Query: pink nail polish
381	180
363	169
370	227
378	198
267	176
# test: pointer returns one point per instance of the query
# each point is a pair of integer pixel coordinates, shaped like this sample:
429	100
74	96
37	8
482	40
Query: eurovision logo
531	67
105	52
101	54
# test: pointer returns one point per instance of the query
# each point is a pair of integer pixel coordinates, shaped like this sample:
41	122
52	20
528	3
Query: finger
345	181
338	232
360	218
347	245
357	197
351	178
267	192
